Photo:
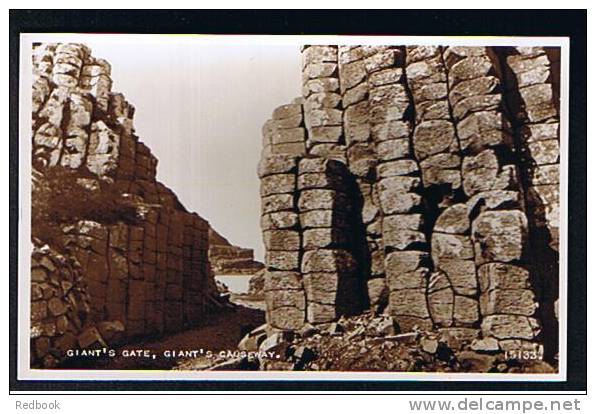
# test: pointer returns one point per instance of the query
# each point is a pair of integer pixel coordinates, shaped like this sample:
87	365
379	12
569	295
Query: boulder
252	340
277	343
487	344
381	326
429	345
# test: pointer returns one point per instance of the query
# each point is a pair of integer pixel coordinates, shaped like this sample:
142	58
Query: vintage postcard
292	207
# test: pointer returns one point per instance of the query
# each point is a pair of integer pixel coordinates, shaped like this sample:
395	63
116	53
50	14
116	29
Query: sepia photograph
293	207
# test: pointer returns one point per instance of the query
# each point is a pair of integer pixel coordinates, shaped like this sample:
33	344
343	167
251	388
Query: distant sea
236	283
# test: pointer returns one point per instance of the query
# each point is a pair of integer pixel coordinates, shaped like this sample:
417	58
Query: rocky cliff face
420	181
116	256
227	259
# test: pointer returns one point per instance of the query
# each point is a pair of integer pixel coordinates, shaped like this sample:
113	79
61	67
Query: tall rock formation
421	181
116	255
227	259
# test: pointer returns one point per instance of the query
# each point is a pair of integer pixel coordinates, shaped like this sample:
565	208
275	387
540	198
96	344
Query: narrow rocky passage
221	332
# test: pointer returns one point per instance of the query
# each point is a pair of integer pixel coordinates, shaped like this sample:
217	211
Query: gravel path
221	333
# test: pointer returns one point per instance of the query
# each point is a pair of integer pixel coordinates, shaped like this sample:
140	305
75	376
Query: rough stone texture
499	225
322	117
60	306
533	76
444	167
434	139
113	280
283	134
278	171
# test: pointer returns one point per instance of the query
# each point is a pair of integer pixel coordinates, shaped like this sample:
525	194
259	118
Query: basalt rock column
57	71
533	97
534	102
435	139
117	283
194	258
328	267
453	289
364	73
278	171
499	226
398	186
532	79
322	102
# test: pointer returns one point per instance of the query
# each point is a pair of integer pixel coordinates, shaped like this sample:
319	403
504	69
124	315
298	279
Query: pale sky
200	109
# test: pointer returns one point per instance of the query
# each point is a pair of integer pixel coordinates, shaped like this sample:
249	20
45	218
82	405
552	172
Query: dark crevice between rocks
296	192
104	311
340	105
298	226
359	245
450	108
352	297
511	99
432	197
553	55
64	122
88	128
410	114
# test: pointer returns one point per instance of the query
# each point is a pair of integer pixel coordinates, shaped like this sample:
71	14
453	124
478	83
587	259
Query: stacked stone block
533	97
305	218
452	289
499	228
95	79
284	138
59	308
328	267
57	72
284	293
322	101
435	140
532	89
285	133
398	182
364	72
